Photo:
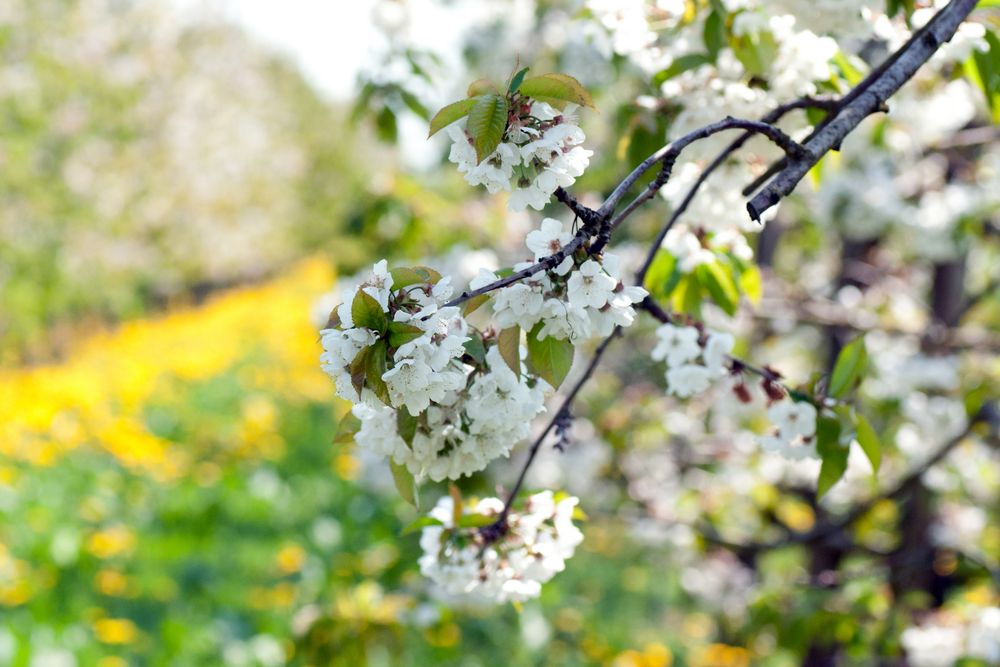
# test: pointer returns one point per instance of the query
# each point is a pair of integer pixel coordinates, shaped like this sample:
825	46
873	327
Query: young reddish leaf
487	123
473	304
449	114
375	369
432	276
555	86
404	276
481	87
358	368
510	348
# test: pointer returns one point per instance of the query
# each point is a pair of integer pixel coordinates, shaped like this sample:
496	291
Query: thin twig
496	530
544	264
667	155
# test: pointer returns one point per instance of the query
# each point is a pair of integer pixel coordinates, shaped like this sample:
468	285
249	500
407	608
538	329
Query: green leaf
869	441
720	286
983	69
714	34
834	454
515	82
366	312
406	425
449	114
481	87
849	369
663	276
347	428
476	521
413	104
487	123
680	65
755	51
751	284
893	7
474	348
405	483
559	87
687	296
551	358
847	69
374	370
385	125
420	524
401	333
509	341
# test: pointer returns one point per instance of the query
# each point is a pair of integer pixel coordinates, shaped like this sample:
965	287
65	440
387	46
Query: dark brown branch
544	264
668	155
868	97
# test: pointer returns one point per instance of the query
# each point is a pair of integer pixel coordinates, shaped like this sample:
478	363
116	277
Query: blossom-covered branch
868	97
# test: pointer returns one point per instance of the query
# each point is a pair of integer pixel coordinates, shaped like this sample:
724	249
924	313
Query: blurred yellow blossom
721	655
652	655
99	395
112	541
115	630
290	558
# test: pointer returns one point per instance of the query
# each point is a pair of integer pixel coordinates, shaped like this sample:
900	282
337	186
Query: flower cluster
570	302
469	568
426	390
683	348
541	151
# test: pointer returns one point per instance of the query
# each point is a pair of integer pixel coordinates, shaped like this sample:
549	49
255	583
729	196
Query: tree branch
868	97
668	155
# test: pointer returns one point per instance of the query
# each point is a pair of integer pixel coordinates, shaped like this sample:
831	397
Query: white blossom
717	349
676	345
590	285
513	568
548	240
687	380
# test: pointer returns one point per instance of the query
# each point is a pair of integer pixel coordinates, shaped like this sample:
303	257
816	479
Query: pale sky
328	38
